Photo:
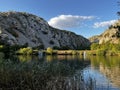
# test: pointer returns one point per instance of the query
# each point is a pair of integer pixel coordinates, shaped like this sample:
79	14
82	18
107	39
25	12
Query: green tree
25	51
49	51
94	46
56	48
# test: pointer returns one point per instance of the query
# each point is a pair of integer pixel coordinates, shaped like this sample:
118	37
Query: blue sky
84	17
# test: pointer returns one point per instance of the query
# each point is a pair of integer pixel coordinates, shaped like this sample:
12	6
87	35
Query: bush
49	51
65	48
106	46
56	48
101	52
94	46
25	51
74	52
1	48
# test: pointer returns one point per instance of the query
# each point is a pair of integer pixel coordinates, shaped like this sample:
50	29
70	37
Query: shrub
65	48
94	46
1	47
56	48
49	51
25	51
74	52
5	49
15	47
101	52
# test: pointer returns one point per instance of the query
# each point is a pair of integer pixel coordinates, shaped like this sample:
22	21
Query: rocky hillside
23	28
112	35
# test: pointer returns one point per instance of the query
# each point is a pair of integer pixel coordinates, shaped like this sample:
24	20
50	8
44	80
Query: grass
38	75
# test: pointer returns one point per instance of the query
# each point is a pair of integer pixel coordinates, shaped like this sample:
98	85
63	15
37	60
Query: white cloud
104	24
68	21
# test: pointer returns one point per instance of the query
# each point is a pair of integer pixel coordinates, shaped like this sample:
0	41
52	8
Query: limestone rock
111	35
21	28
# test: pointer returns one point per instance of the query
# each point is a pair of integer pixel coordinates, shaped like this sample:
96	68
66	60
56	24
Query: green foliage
1	46
61	48
49	51
56	48
14	48
25	45
101	52
81	47
106	46
106	62
65	48
74	52
25	51
5	48
94	46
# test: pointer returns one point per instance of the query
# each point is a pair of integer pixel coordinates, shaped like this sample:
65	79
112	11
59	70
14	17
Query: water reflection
51	73
109	69
63	72
63	57
24	58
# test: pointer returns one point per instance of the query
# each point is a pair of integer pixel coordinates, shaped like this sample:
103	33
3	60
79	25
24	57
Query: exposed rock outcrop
23	28
111	35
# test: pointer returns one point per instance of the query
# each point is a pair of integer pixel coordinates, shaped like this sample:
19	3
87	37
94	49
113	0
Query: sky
84	17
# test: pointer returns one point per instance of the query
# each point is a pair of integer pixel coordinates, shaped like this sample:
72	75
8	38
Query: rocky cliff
111	35
23	28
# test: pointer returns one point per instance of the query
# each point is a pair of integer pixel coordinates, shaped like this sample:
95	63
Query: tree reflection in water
109	67
49	74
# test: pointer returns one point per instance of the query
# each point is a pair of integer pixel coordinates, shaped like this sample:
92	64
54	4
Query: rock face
111	35
23	28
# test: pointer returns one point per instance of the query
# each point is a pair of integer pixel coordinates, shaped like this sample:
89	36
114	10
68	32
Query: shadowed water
62	72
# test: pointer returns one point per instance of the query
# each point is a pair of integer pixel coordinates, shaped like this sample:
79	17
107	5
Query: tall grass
40	75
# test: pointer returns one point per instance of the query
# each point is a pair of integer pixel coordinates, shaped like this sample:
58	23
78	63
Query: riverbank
50	51
84	52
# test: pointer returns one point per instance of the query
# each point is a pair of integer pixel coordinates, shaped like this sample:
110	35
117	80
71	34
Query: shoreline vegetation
13	50
95	49
50	51
84	52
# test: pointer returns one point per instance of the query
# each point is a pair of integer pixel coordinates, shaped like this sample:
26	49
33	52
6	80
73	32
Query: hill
20	28
111	35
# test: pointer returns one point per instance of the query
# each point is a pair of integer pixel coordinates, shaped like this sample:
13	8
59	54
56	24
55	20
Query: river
89	73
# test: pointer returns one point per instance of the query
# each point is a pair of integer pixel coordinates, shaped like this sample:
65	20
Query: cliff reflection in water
109	67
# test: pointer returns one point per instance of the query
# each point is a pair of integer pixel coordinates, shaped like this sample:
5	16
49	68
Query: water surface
61	72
